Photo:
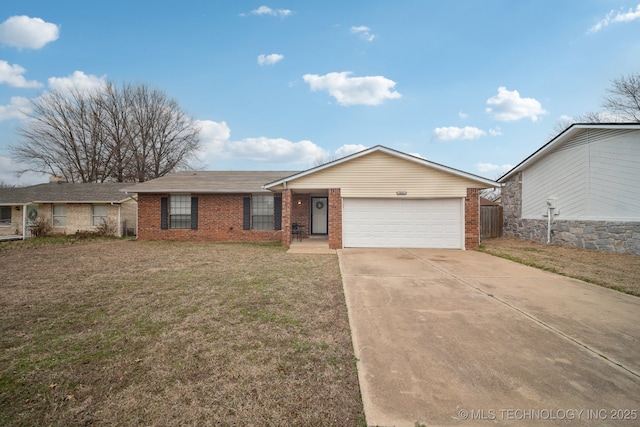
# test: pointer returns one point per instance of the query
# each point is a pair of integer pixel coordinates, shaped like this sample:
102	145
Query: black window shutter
194	213
246	213
164	213
277	212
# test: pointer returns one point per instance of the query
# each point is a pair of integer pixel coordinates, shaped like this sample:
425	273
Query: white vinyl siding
593	176
382	175
435	223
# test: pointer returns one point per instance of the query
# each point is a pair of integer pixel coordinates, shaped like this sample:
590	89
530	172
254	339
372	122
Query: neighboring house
378	197
71	208
580	189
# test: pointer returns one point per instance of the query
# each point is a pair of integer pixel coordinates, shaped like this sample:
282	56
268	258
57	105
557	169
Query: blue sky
475	85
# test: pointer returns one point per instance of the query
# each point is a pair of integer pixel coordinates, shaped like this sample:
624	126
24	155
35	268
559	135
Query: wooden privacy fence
490	221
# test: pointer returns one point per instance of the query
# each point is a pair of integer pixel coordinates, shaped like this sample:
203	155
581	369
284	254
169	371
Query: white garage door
370	223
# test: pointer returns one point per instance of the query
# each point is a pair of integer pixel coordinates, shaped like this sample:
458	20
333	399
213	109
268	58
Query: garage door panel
433	223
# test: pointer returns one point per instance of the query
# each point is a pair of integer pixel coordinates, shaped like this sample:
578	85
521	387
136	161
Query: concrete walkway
464	338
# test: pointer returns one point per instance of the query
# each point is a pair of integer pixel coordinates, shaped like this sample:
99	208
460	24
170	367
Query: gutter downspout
119	232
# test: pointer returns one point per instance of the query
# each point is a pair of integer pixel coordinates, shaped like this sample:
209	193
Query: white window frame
180	211
98	218
59	218
262	212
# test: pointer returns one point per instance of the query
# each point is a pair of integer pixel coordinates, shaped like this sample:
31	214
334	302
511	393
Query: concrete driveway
464	338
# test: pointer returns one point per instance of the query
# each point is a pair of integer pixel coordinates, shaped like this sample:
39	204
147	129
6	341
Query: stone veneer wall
614	236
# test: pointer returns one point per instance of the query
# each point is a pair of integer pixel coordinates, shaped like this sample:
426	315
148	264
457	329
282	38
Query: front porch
11	237
318	216
311	245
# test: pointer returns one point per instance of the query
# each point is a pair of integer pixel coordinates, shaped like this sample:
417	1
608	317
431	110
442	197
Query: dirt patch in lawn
169	333
609	269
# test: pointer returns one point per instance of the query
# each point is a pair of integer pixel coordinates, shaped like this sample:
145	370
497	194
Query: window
99	215
262	212
5	216
180	211
59	215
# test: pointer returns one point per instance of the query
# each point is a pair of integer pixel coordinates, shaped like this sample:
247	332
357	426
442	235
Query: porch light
401	193
299	201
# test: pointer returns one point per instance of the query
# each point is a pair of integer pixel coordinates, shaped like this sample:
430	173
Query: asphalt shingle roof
210	182
63	192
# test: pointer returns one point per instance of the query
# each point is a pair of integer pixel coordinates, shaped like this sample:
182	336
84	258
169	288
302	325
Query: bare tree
621	105
623	98
166	138
124	134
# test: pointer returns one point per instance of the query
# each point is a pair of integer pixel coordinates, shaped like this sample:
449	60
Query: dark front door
319	217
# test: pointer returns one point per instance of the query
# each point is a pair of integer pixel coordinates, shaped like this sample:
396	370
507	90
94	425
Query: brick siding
335	219
286	217
220	219
472	218
300	211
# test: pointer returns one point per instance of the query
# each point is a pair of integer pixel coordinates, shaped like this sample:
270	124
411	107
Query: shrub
107	228
43	228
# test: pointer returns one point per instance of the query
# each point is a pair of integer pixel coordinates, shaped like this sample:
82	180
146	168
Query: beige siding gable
379	174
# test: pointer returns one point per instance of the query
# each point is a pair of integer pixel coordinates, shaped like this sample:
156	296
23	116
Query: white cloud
462	115
9	174
490	167
78	80
18	108
266	10
13	76
495	131
275	150
25	32
347	149
369	90
270	59
453	133
215	138
364	33
507	106
614	17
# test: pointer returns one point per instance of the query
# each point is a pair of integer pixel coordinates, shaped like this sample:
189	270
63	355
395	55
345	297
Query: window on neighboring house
5	216
99	214
59	215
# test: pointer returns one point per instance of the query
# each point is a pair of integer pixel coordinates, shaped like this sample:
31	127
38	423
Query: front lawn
168	333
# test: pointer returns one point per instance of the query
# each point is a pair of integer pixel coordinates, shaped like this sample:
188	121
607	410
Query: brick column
286	217
472	218
335	219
